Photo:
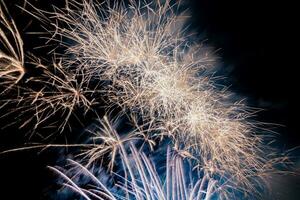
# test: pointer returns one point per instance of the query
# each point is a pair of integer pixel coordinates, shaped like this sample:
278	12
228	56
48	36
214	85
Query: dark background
258	47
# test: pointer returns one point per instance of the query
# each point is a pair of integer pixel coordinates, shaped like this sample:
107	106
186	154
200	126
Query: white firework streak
12	56
142	181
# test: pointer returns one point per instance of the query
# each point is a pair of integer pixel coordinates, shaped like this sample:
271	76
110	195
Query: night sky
255	42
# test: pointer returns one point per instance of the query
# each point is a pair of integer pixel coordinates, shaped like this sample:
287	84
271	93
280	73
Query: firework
55	91
150	68
61	89
107	142
142	181
62	93
138	60
12	56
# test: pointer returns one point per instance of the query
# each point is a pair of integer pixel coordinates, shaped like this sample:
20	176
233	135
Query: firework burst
138	60
140	180
150	68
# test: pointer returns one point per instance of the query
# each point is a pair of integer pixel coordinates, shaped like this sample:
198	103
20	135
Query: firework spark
12	56
62	93
142	181
55	91
106	142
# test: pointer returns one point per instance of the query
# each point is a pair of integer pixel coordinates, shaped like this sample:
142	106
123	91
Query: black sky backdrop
257	45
